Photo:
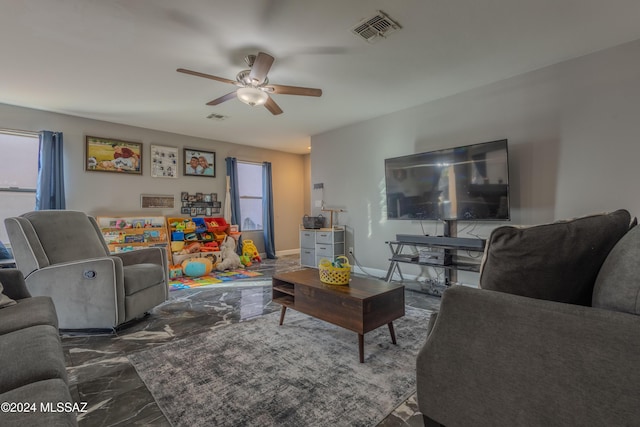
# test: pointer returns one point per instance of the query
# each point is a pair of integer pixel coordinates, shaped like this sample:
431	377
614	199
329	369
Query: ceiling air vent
218	117
376	27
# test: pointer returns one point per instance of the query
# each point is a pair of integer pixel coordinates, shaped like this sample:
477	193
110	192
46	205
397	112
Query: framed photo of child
199	163
113	155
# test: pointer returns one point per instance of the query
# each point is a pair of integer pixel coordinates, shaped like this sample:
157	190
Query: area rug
216	277
304	373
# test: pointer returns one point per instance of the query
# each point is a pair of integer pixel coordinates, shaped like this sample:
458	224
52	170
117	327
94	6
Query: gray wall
573	133
100	193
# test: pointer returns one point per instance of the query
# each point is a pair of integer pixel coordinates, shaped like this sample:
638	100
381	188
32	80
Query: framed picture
156	201
112	155
199	163
164	161
185	210
184	196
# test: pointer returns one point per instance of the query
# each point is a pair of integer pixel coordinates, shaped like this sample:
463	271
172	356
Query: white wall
573	133
102	193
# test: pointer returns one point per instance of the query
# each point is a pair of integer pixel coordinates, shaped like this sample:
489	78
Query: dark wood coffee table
361	306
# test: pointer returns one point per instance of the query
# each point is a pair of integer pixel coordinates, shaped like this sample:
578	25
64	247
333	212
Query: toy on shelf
210	247
196	267
230	259
248	247
190	248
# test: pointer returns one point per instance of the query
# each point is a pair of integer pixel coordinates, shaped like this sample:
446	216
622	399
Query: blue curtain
50	189
267	211
232	173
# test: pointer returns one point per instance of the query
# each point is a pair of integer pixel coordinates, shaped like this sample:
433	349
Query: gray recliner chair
62	254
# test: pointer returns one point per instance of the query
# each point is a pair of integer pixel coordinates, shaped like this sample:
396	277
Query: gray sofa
551	338
62	254
33	369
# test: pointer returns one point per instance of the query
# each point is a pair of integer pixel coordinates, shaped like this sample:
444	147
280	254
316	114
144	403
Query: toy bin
216	224
172	222
177	235
220	236
201	227
177	246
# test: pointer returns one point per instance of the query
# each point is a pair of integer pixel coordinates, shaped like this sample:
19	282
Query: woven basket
335	275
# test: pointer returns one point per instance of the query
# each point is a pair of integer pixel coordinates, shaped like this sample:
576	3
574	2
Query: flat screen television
469	183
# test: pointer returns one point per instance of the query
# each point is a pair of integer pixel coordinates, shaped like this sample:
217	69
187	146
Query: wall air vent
377	27
218	117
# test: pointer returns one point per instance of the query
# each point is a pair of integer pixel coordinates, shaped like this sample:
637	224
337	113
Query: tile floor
101	375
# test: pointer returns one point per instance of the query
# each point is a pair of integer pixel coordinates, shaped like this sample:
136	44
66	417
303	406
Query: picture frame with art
164	161
112	155
198	162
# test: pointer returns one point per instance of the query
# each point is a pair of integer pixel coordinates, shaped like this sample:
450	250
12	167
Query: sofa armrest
499	359
13	283
87	294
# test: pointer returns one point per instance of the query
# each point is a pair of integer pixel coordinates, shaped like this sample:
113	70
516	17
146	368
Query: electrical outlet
351	250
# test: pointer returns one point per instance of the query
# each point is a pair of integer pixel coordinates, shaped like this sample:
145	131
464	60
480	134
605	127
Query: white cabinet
321	243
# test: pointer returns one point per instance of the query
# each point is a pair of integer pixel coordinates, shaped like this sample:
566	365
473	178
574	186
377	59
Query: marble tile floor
101	375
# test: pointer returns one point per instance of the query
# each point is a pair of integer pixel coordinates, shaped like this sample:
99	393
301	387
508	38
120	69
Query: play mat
215	277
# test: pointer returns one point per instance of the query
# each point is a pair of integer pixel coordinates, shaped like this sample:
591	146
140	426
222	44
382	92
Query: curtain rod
19	132
250	162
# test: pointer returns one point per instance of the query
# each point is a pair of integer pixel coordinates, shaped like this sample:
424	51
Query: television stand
437	252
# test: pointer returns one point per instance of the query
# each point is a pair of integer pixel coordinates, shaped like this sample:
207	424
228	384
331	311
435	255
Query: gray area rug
304	373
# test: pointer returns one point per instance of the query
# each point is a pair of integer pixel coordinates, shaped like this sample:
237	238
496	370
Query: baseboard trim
288	252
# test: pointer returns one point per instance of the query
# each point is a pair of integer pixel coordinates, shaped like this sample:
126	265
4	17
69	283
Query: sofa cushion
30	355
5	301
617	286
48	392
557	261
28	312
141	276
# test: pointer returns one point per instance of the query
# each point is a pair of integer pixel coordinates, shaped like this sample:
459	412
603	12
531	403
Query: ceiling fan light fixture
252	96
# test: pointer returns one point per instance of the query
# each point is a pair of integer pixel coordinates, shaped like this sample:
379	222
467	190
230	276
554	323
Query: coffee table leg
393	334
282	311
361	347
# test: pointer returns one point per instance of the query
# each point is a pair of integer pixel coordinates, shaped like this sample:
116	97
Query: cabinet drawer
308	257
330	237
330	250
307	239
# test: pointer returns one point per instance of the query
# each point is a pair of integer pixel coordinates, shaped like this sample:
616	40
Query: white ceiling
116	60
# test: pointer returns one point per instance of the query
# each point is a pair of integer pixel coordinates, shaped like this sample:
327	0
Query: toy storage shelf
128	233
186	230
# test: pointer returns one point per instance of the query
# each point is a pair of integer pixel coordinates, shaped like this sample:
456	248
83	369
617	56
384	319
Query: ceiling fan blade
206	76
273	107
222	99
261	67
294	90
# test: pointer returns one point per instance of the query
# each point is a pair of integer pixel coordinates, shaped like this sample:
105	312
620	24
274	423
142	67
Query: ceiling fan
253	84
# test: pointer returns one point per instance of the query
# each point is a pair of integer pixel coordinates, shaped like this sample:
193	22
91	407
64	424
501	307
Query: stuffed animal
196	267
230	259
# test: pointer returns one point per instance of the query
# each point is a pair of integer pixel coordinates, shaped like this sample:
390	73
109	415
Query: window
18	175
250	191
